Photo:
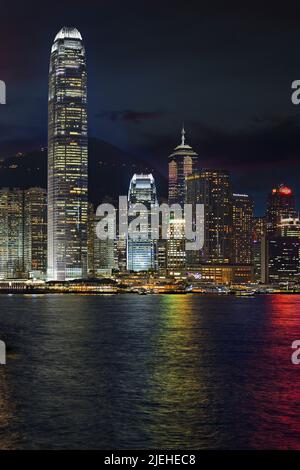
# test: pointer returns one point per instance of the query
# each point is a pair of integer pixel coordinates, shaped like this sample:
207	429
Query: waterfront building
223	274
182	163
67	158
141	251
35	232
242	228
282	260
281	254
23	233
212	188
11	233
176	246
280	245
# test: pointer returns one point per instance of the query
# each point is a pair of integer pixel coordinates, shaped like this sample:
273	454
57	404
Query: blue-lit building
141	249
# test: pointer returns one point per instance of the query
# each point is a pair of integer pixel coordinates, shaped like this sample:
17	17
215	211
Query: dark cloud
225	68
131	116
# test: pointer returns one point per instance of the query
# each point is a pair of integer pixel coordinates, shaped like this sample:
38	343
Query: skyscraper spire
182	163
183	135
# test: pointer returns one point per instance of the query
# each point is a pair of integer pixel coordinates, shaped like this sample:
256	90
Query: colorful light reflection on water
182	371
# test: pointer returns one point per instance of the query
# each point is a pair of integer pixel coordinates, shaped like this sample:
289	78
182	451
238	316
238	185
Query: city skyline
228	215
149	229
237	121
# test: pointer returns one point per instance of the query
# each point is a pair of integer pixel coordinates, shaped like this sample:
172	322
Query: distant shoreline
231	294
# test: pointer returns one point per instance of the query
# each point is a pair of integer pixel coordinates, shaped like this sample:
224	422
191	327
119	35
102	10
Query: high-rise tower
67	157
242	228
182	163
212	188
141	251
281	204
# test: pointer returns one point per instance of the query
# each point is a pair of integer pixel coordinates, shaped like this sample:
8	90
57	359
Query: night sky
225	70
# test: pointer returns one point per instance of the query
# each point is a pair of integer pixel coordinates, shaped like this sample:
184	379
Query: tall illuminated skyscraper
182	163
67	158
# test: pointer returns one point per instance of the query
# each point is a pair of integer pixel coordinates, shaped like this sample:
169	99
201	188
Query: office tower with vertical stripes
141	250
67	158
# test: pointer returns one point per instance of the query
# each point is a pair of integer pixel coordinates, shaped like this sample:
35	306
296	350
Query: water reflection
9	436
150	372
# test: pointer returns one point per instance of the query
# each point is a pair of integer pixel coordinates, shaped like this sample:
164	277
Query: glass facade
67	158
141	252
23	233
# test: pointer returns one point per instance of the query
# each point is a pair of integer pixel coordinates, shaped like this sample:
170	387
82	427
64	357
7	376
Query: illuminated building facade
225	273
283	261
280	245
141	251
91	240
212	188
121	241
289	227
176	252
67	158
121	250
282	253
23	233
258	238
161	251
281	204
35	232
182	163
11	233
242	213
104	252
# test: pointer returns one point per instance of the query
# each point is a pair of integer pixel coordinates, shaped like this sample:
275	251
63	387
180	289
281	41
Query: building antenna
183	135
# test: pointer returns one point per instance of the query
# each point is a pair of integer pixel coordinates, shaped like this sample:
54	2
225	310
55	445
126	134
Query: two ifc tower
68	159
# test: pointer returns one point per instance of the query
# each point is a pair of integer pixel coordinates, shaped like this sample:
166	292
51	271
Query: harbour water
149	372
